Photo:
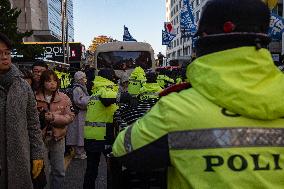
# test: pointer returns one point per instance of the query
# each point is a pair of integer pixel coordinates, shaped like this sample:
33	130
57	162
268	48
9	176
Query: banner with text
167	38
276	27
187	21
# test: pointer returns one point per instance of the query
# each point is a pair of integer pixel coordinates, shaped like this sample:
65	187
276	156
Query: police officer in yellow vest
136	80
98	123
164	81
227	131
150	89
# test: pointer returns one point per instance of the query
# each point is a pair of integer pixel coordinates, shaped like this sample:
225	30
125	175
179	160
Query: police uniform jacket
224	132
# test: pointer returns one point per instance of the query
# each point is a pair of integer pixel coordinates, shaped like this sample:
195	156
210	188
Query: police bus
124	56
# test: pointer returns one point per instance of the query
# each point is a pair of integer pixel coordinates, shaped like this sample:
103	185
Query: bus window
124	59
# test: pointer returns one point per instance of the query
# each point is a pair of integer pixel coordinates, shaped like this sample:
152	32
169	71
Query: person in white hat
75	133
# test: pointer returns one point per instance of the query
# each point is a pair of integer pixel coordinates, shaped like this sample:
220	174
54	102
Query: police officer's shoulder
175	88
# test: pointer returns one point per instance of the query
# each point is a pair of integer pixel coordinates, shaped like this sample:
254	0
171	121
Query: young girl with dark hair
55	115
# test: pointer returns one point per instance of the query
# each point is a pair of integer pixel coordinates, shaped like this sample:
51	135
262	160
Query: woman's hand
49	117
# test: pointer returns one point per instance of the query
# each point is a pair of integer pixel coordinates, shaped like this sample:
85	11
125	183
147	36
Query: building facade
43	17
181	48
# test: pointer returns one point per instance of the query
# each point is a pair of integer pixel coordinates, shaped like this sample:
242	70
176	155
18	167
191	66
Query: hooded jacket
225	132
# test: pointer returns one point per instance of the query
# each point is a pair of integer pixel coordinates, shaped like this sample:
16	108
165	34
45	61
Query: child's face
51	84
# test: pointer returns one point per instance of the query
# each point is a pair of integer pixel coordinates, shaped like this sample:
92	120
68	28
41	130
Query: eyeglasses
5	53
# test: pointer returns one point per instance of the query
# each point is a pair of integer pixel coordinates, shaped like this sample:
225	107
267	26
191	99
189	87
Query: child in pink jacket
55	115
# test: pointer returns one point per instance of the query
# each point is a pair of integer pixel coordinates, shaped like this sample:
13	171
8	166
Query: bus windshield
119	60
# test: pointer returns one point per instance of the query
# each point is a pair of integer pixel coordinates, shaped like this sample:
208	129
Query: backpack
69	92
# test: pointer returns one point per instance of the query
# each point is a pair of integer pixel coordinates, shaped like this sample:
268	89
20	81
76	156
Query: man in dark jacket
21	145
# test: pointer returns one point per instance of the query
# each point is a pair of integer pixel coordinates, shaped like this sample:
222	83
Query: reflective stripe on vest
226	138
95	124
150	95
96	133
94	98
219	138
127	140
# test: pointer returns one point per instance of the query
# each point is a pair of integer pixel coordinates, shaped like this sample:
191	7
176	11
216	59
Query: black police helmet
227	16
227	24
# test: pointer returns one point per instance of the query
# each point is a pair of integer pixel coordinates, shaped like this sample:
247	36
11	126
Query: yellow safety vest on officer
162	80
150	91
196	134
136	80
98	115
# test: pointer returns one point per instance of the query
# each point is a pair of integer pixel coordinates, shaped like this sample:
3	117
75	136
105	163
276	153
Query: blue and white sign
187	22
276	27
127	36
167	38
193	41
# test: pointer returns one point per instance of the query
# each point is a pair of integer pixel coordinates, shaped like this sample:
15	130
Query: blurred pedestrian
123	89
75	132
27	75
37	68
90	74
55	113
160	57
21	145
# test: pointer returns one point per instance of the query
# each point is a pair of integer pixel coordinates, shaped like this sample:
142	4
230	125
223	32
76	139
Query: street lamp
64	24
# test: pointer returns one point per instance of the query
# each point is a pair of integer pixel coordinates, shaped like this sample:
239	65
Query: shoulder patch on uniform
175	88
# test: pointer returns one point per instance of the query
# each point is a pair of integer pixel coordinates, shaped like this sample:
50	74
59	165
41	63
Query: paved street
75	174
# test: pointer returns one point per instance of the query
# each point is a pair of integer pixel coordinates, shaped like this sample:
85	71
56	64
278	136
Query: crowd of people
221	126
80	122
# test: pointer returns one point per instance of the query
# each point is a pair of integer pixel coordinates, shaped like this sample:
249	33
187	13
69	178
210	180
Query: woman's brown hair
46	76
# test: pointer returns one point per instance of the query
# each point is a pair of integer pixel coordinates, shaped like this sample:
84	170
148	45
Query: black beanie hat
240	15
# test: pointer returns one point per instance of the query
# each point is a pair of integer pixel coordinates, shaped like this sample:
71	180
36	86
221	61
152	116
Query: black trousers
91	174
